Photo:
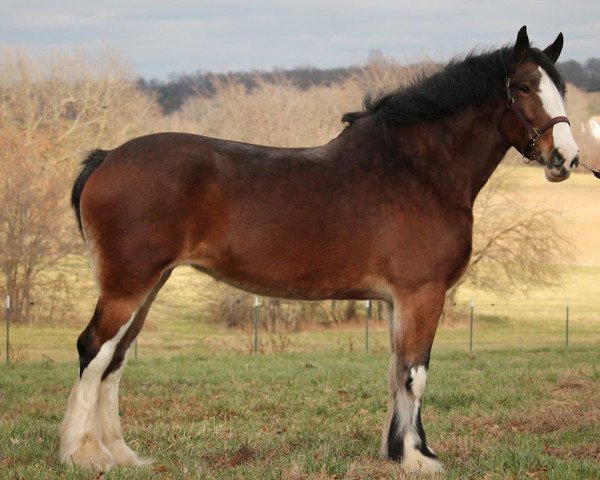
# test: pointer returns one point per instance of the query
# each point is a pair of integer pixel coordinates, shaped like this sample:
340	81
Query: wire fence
476	326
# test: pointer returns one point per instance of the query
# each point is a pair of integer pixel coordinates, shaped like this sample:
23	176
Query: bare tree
383	75
50	114
515	248
273	113
34	230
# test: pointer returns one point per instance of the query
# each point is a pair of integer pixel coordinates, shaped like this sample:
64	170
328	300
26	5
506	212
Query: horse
383	211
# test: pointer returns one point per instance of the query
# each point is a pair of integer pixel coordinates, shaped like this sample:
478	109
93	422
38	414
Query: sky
161	37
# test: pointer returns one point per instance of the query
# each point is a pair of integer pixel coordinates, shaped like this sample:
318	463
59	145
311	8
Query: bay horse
384	211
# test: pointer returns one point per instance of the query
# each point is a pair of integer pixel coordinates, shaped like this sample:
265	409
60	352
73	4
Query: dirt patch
550	418
568	386
460	448
243	455
572	403
585	451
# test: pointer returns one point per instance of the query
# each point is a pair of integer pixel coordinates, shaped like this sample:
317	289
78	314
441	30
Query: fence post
256	314
472	307
567	324
7	329
368	316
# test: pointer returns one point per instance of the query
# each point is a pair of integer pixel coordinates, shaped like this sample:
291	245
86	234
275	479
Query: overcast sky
164	36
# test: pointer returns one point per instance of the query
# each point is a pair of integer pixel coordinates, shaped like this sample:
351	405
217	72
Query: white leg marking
419	379
80	432
110	423
400	405
554	106
414	460
404	404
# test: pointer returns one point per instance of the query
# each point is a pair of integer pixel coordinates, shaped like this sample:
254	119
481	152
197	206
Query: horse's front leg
413	325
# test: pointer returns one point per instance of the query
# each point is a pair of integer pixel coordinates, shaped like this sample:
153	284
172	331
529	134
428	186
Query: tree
34	230
274	112
592	69
515	248
50	114
574	73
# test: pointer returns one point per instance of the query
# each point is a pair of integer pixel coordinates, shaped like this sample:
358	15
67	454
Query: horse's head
535	121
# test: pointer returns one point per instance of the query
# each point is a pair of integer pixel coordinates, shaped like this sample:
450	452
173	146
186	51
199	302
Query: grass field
177	324
489	415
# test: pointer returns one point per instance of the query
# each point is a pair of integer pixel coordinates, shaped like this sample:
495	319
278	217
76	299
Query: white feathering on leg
110	423
80	432
414	460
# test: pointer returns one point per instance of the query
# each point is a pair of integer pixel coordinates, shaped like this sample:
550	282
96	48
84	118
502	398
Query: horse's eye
524	88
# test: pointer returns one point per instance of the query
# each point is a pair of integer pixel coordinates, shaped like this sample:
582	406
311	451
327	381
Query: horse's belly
291	276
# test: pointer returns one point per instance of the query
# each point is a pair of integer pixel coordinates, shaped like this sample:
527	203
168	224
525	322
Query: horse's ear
522	44
553	51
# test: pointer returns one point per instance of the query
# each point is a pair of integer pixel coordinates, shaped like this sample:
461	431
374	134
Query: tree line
172	93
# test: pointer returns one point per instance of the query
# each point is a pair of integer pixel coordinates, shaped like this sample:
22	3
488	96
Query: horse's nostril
575	162
556	159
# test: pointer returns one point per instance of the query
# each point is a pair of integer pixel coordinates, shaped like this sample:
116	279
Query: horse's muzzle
557	168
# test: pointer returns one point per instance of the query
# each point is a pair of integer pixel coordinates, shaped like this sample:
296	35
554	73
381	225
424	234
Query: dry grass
571	403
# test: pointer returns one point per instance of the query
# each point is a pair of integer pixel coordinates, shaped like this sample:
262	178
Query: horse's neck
457	155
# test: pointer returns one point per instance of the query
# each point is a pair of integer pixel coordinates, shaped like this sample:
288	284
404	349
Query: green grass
494	328
495	415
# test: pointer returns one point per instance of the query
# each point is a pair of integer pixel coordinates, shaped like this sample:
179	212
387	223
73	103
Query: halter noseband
533	132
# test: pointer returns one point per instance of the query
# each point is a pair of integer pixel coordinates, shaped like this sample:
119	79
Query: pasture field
177	324
496	326
489	415
576	202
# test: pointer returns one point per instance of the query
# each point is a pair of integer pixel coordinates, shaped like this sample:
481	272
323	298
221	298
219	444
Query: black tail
90	163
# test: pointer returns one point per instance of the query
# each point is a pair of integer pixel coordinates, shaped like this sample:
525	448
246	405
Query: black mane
470	81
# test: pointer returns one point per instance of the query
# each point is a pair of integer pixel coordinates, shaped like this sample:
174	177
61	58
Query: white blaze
554	106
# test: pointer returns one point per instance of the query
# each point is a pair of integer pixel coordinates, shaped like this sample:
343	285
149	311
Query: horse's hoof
92	454
123	456
415	462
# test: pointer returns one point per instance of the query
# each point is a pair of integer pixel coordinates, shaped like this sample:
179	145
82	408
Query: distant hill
583	75
172	93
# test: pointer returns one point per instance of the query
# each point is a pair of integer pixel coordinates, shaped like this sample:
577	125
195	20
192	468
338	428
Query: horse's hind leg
108	395
415	319
100	346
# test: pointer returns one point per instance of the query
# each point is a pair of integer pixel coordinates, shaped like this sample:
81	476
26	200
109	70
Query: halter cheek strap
534	133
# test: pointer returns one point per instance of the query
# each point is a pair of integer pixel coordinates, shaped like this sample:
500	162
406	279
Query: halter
534	133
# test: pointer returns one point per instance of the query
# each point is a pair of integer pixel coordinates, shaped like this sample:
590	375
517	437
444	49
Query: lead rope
595	171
